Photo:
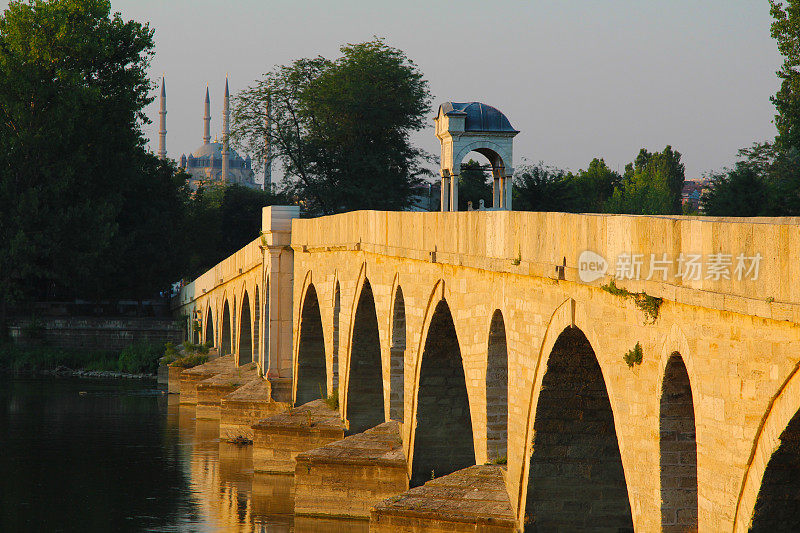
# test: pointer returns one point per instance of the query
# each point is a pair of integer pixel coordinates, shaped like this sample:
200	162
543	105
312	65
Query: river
111	456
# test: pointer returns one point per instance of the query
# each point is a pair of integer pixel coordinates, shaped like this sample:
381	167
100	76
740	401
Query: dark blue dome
479	117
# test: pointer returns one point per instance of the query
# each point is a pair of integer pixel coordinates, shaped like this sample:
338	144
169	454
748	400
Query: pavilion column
509	192
454	192
445	193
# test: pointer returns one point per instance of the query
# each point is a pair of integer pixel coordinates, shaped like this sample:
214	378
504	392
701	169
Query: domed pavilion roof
479	116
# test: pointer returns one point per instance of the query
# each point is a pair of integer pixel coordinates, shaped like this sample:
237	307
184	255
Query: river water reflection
79	455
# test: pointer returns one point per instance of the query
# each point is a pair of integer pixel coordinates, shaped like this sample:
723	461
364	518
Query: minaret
207	120
226	111
162	130
267	150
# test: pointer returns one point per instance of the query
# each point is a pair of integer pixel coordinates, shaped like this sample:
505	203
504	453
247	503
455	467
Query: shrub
190	361
139	358
333	400
24	359
634	357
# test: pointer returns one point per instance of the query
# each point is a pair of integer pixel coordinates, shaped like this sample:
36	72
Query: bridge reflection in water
229	495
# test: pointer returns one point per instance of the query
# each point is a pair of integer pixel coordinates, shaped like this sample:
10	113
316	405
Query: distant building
693	191
426	197
213	162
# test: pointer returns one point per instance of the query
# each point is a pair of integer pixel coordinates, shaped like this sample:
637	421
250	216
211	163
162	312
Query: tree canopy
765	181
651	185
221	220
85	209
785	29
340	127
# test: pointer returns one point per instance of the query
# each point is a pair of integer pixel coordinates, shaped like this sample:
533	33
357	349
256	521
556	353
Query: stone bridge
492	337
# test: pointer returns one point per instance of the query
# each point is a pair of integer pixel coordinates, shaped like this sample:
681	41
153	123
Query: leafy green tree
651	185
147	252
540	187
220	221
73	86
474	185
591	188
740	192
778	169
768	173
341	128
785	30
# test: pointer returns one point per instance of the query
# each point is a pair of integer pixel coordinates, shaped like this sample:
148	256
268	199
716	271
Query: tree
651	185
776	170
474	185
148	251
740	192
220	221
785	29
73	86
341	128
591	188
542	188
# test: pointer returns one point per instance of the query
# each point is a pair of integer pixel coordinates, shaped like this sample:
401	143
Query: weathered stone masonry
738	341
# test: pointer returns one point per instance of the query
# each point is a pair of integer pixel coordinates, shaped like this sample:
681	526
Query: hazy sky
579	78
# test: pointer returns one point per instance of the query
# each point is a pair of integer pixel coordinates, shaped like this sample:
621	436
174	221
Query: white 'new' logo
591	266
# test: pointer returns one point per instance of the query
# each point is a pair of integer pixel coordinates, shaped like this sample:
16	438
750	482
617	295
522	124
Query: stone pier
273	496
173	378
244	407
191	377
211	391
279	439
347	477
468	500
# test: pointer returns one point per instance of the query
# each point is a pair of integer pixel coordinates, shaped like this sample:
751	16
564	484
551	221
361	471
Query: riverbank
63	372
137	361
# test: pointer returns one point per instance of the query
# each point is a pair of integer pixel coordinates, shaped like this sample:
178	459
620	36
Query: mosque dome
214	149
479	117
206	165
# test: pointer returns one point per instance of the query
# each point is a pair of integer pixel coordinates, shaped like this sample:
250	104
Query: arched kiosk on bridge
475	127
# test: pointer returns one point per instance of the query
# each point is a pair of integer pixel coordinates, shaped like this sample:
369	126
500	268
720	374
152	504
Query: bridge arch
496	389
442	437
310	360
678	448
226	338
679	389
244	354
576	479
775	449
397	354
363	407
568	315
337	339
209	329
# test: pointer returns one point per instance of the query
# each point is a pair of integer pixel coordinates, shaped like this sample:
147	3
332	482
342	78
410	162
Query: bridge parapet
749	266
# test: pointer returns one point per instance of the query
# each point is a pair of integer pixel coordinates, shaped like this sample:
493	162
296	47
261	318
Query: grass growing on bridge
634	357
649	304
331	400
